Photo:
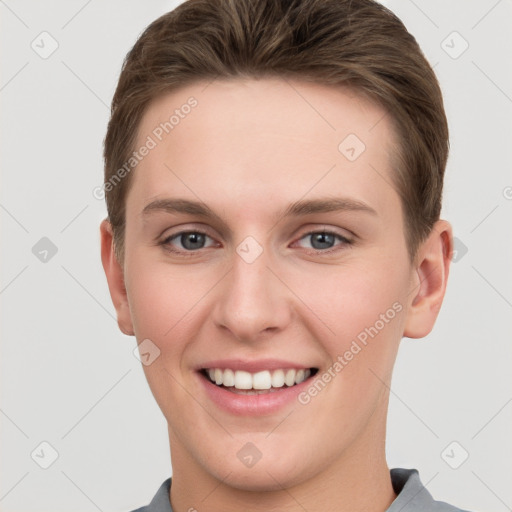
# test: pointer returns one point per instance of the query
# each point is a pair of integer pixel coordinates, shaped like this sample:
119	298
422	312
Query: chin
273	472
265	478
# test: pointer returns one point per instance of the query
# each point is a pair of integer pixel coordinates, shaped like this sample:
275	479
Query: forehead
251	141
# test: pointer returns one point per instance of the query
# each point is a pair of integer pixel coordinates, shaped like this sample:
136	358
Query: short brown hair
355	43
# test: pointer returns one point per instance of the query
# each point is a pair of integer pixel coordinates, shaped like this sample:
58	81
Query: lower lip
252	405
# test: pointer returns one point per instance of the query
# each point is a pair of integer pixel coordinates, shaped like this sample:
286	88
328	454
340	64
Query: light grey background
69	377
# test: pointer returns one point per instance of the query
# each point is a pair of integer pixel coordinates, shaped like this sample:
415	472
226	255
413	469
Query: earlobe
431	275
115	279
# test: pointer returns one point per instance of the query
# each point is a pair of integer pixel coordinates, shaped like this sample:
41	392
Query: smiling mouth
246	383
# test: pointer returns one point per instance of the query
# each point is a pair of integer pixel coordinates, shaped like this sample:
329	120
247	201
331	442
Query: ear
115	279
431	268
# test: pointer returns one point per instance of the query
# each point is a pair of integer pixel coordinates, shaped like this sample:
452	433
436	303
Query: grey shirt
412	496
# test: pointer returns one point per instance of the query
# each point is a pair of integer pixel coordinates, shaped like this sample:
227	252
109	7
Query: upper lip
253	366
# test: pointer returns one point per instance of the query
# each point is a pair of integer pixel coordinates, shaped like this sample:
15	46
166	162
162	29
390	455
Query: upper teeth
260	380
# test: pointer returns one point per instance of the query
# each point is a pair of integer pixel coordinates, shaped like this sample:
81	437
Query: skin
248	150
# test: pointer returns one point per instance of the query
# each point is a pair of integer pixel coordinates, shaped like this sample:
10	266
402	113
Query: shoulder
413	496
160	502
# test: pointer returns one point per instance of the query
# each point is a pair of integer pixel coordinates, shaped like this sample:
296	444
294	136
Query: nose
253	302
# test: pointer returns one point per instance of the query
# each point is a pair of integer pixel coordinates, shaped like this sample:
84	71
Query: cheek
163	297
163	306
363	305
158	307
354	298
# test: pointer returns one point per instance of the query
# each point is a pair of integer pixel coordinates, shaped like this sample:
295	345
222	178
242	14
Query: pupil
322	240
192	240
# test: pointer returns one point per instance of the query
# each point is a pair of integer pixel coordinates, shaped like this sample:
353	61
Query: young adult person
273	178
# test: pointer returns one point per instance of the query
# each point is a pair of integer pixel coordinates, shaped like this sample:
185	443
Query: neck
359	480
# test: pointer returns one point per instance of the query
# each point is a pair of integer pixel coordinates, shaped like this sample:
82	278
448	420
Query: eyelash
190	253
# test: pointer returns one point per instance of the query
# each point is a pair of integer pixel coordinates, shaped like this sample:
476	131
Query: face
265	247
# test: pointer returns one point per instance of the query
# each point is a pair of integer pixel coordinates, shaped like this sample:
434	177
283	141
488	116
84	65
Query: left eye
321	240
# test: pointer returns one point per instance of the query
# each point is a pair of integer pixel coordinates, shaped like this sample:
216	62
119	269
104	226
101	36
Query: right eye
190	241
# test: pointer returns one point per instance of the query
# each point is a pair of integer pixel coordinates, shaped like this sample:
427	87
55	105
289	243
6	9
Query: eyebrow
299	208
